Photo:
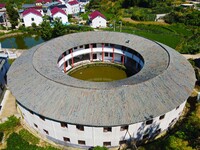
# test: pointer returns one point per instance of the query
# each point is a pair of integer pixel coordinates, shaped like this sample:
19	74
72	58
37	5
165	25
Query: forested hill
117	4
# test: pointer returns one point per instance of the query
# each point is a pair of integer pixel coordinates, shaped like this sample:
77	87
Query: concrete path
188	56
8	106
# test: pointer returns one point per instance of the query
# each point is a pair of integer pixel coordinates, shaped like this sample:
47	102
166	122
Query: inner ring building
80	113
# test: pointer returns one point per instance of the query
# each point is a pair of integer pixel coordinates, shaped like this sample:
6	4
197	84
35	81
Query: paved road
188	56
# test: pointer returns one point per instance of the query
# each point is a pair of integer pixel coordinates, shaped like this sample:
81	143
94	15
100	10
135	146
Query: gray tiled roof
165	81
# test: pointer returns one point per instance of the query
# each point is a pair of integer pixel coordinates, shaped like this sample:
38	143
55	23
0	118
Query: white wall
28	19
94	136
98	22
73	9
62	17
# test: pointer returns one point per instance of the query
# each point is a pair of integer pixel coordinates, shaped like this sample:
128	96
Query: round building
82	113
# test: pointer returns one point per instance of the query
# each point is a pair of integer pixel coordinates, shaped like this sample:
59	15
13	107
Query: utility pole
114	25
120	25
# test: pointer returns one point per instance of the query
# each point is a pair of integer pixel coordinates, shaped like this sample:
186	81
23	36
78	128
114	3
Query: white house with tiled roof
31	16
73	7
97	20
60	14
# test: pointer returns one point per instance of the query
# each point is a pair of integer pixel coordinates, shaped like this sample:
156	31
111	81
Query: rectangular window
106	54
106	44
81	142
94	56
35	125
32	19
75	47
162	117
80	127
41	117
66	139
106	143
107	129
46	131
122	142
111	54
123	128
64	125
149	121
31	112
94	45
86	46
81	46
146	136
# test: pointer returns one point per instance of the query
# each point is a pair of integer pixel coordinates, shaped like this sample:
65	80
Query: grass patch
28	137
10	124
10	61
15	141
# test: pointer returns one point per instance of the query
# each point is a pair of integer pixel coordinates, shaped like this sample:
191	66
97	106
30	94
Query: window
41	117
64	125
149	122
35	125
32	19
122	142
106	143
162	117
94	56
111	54
46	131
86	46
107	129
123	128
66	139
75	47
31	112
146	136
106	54
80	127
106	44
81	142
81	46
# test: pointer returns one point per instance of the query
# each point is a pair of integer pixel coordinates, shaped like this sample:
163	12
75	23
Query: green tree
46	30
12	13
59	29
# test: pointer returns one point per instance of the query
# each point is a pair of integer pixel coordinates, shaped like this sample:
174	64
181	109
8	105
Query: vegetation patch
15	141
10	124
28	137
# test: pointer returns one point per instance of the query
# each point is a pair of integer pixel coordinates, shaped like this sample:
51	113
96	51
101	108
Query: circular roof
165	81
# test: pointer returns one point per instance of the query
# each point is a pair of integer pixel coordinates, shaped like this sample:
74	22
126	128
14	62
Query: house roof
165	81
73	2
33	11
96	14
2	5
56	10
59	6
43	1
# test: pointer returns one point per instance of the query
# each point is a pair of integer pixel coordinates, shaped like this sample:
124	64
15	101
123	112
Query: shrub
9	124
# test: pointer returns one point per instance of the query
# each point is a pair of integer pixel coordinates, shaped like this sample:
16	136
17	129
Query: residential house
2	18
2	7
31	16
97	20
73	7
60	14
4	66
